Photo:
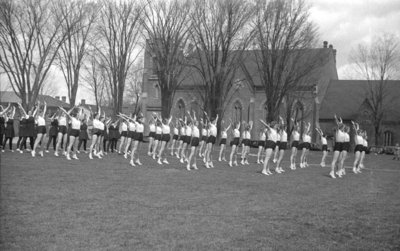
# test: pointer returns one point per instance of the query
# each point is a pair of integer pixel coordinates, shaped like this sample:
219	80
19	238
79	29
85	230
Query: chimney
330	46
83	102
64	99
334	55
325	44
57	97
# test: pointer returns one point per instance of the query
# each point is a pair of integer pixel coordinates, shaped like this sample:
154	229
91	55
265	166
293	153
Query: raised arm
265	124
251	125
44	109
66	113
22	109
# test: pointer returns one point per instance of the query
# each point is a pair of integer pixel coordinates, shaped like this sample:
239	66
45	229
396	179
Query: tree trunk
166	103
377	134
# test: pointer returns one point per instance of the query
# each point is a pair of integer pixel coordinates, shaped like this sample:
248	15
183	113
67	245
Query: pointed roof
346	98
11	97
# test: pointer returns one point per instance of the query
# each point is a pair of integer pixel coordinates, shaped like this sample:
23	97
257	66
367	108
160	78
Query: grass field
53	204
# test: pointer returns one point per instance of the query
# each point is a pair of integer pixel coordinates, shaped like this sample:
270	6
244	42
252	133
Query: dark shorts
270	144
187	139
194	142
96	131
324	147
62	129
131	134
365	148
41	129
166	137
359	148
295	143
175	137
158	137
277	143
338	146
261	143
305	145
138	136
346	146
235	142
124	133
282	145
152	134
246	142
223	141
204	138
211	140
74	132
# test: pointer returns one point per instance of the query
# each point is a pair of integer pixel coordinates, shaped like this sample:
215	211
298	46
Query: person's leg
192	150
92	146
10	143
80	141
127	146
149	149
231	155
276	154
69	147
259	153
302	158
280	158
160	155
324	154
19	142
356	161
268	153
36	143
122	143
333	164
220	152
342	167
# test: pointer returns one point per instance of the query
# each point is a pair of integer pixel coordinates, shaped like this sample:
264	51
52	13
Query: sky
343	23
347	23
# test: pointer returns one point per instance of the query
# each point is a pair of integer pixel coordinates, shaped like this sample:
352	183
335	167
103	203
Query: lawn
53	204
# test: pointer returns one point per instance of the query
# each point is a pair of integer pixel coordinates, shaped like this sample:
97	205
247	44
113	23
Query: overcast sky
346	23
343	23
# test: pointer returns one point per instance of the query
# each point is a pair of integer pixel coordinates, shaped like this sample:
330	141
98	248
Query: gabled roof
346	97
11	97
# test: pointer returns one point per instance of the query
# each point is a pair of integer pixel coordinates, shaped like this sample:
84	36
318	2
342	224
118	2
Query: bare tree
31	33
378	63
95	78
167	24
220	36
119	32
134	87
73	52
283	38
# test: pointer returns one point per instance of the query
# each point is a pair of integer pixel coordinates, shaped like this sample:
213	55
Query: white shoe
68	157
235	163
12	151
262	161
358	170
281	169
269	172
277	170
343	171
355	170
223	159
246	162
219	159
188	167
332	174
77	151
132	163
230	163
56	154
18	150
148	154
154	156
181	160
207	165
195	167
211	164
274	160
159	161
258	162
41	153
265	173
339	174
45	151
90	156
65	153
242	162
32	153
322	164
138	162
165	161
75	157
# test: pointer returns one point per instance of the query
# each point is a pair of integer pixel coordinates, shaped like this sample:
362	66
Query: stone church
247	101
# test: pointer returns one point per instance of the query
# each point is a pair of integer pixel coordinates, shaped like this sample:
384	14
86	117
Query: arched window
156	91
237	111
181	108
388	138
298	114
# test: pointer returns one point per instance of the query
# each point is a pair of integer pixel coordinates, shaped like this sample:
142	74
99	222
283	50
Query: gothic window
156	91
181	108
388	140
237	111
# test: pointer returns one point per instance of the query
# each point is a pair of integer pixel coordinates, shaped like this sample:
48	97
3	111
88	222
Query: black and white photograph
199	125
